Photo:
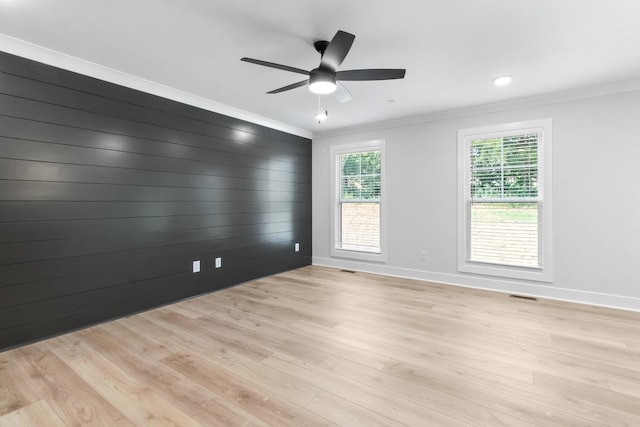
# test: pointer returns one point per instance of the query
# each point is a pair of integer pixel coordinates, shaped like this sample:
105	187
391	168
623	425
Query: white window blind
359	179
503	214
504	211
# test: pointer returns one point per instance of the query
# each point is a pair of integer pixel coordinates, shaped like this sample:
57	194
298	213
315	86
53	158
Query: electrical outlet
424	255
218	262
196	266
297	247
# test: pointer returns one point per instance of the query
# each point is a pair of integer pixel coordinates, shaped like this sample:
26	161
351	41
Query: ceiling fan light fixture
322	82
322	88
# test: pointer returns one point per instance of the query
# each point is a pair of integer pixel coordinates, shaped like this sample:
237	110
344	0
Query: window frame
335	216
465	136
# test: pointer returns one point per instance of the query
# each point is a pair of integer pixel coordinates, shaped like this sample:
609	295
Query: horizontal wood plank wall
108	194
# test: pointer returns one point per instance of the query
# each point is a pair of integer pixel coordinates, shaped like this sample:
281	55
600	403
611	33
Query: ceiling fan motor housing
321	46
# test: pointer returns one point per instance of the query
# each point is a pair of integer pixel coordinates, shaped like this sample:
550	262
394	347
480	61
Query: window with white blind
357	202
505	200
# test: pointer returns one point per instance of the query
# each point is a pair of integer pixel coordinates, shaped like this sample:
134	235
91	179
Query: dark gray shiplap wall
107	194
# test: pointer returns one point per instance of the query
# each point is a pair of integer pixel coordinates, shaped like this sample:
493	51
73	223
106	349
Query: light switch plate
196	266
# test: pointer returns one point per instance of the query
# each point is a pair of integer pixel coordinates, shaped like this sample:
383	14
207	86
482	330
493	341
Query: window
357	202
504	216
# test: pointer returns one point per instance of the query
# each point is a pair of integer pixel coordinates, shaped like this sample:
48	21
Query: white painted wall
596	170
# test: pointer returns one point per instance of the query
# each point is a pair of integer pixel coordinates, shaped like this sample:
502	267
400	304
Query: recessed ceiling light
502	80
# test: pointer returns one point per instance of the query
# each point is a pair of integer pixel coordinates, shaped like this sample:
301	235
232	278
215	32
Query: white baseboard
491	284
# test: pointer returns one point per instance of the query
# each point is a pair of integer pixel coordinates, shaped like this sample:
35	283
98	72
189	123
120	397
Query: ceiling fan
326	78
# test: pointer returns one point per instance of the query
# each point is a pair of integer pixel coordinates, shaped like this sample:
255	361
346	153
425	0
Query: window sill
362	256
523	273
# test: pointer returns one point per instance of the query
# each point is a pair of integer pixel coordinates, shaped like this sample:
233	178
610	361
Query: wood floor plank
35	414
344	412
378	401
72	399
610	404
281	383
12	395
137	401
322	347
199	403
241	391
432	389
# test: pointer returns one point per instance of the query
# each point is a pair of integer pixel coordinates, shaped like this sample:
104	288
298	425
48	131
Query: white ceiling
451	48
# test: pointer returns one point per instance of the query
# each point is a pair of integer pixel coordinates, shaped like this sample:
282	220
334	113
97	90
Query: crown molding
58	59
528	102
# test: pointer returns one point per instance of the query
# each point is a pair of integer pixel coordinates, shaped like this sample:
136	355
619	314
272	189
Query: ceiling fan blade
342	94
291	86
337	50
274	65
371	74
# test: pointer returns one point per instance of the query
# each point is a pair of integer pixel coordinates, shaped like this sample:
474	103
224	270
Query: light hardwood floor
322	347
